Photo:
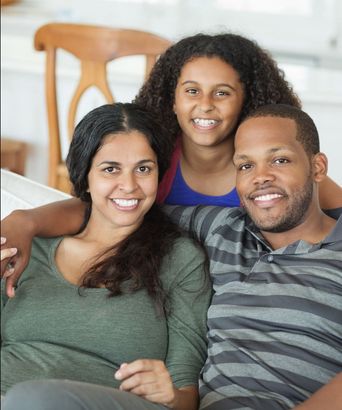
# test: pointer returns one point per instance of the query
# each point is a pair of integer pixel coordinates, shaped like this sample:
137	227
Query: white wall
316	76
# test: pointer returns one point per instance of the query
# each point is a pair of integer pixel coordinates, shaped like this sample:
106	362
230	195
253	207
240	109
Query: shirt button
270	258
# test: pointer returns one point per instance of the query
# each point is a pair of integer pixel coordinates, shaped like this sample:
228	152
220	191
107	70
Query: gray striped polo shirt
275	322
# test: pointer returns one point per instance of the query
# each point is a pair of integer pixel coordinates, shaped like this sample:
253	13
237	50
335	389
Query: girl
201	88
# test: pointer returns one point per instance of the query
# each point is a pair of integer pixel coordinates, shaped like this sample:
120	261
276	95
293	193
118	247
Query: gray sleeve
200	221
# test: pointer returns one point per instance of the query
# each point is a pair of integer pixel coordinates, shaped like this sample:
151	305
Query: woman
120	304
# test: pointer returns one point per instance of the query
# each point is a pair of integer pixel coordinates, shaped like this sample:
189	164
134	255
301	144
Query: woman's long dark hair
134	262
262	80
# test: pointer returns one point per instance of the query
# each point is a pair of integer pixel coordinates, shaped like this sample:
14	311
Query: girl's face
123	180
208	100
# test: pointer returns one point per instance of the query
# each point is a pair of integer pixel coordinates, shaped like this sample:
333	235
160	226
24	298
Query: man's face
274	173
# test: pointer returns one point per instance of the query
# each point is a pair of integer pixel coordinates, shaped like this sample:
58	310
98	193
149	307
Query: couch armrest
18	192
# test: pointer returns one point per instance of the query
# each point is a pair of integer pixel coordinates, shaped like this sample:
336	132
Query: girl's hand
6	253
149	379
15	228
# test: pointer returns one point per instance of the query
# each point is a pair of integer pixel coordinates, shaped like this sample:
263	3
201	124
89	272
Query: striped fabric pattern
275	322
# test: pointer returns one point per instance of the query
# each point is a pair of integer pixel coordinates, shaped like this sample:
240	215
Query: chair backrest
94	46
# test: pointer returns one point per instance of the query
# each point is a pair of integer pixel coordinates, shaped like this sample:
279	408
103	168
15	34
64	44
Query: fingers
7	253
147	378
10	286
7	266
141	365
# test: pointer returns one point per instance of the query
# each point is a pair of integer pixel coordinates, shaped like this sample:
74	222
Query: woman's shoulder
42	247
186	248
186	260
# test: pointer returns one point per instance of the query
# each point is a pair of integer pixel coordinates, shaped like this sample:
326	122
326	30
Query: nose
206	103
263	174
127	182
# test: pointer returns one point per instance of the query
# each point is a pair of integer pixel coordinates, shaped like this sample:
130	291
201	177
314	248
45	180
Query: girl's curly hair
263	81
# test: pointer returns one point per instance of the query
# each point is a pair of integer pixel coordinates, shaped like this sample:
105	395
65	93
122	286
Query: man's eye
244	167
281	161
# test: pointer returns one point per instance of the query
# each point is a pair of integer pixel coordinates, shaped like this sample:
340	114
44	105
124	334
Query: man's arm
327	397
19	228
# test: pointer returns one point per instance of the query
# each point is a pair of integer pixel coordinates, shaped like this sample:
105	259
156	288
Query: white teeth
204	122
126	202
267	197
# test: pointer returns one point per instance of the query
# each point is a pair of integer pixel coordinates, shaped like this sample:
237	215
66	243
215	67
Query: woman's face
123	180
208	100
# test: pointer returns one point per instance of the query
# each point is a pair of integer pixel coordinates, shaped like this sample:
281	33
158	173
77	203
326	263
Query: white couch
18	192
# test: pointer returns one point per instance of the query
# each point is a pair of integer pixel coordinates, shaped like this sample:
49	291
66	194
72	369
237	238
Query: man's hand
149	379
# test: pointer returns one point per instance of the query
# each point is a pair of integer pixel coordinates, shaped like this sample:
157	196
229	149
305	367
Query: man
275	322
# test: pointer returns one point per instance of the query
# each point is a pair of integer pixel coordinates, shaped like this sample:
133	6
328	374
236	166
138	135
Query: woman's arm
19	228
327	397
330	194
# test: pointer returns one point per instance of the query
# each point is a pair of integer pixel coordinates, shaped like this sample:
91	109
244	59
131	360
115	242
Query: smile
205	123
268	197
126	203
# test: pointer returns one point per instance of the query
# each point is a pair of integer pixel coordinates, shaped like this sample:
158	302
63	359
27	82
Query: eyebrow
115	163
216	85
270	151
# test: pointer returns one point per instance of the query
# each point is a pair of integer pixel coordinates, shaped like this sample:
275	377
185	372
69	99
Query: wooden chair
13	155
94	46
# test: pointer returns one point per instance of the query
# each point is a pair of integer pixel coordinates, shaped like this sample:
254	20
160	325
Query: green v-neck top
52	330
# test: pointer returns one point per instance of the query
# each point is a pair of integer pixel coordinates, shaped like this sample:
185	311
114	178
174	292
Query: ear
319	167
174	109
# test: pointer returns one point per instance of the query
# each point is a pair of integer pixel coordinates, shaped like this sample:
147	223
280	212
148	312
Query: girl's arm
330	194
19	228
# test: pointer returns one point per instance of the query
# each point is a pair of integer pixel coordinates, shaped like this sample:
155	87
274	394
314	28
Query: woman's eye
110	170
144	169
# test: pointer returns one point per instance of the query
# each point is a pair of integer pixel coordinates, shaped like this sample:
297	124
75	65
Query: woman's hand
149	379
17	231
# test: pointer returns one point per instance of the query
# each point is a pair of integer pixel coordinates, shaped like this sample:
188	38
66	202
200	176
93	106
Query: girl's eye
222	93
191	91
281	161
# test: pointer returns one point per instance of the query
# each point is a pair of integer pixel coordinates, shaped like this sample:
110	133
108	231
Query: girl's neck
208	170
204	159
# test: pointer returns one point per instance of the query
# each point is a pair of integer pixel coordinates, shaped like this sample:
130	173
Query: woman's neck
102	234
